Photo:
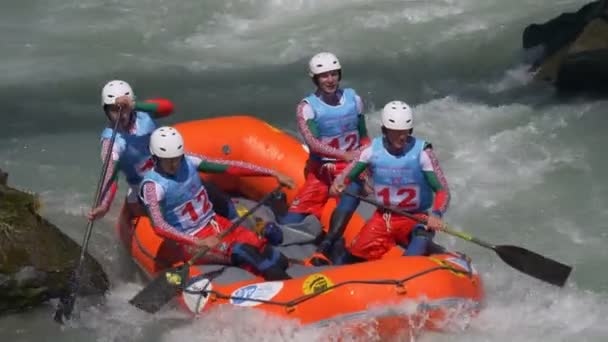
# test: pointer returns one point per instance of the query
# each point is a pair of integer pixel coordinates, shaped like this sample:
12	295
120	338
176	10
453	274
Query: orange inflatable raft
316	295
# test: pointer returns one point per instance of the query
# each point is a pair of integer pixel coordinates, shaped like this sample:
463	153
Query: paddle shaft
236	224
98	192
66	304
445	228
521	259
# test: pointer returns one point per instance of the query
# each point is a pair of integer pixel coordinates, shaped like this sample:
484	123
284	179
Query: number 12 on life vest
197	207
348	142
406	197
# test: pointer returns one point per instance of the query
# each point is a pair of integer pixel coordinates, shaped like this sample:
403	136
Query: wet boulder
571	50
36	258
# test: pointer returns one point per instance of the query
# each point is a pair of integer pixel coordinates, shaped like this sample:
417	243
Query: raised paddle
521	259
67	301
167	285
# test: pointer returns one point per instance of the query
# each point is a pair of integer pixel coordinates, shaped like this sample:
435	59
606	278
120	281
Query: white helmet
397	115
114	89
166	142
323	62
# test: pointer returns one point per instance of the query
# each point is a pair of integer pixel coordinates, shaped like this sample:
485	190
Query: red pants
313	195
223	252
381	233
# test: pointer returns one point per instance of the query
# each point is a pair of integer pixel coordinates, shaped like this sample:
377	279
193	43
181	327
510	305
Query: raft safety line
290	305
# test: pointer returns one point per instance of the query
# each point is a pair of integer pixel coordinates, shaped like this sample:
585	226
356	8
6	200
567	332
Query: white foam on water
513	78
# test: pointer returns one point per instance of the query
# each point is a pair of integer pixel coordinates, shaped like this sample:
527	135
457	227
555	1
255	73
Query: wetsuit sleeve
152	195
364	139
110	182
158	108
436	179
231	167
310	132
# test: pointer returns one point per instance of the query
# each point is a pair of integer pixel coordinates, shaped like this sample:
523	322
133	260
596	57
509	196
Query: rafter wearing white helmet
130	152
118	102
335	113
181	210
405	174
333	127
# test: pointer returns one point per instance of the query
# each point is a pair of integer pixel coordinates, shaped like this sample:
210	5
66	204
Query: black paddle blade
161	290
67	299
534	264
64	308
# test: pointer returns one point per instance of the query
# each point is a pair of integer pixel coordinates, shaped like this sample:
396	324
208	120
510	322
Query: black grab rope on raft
298	300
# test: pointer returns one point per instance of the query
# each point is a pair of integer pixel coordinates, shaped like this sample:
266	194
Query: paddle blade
534	264
64	308
66	300
160	291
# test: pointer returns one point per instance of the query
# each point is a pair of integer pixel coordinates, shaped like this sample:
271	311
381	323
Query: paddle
166	286
521	259
67	301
